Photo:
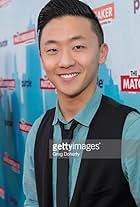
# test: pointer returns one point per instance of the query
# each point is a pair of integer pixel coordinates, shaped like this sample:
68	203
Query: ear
103	53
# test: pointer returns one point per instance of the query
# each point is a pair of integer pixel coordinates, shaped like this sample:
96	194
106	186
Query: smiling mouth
68	75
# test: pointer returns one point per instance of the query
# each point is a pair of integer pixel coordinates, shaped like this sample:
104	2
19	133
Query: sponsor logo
24	127
130	83
105	13
46	84
24	37
4	43
14	164
13	201
26	83
8	123
136	6
100	82
4	3
2	193
8	83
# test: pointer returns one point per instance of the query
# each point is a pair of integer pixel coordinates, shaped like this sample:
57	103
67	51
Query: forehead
66	27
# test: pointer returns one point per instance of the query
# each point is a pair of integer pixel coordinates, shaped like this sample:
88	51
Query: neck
71	105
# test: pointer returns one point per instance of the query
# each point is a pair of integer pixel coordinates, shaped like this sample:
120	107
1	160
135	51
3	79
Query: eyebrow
78	37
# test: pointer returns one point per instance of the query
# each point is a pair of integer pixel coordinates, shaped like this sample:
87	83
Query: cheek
92	68
90	62
84	60
90	57
47	65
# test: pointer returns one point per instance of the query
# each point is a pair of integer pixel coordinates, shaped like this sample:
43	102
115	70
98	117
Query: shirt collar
86	114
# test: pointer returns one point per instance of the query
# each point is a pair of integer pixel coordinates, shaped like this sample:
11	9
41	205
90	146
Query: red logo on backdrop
24	37
105	13
24	127
130	83
8	83
46	84
2	193
4	3
14	164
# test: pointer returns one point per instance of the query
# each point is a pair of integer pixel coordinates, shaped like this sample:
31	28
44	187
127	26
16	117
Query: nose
66	59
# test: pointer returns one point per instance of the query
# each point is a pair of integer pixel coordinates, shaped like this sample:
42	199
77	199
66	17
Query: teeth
69	75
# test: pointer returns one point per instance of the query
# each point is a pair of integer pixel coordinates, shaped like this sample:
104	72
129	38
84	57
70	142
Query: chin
71	94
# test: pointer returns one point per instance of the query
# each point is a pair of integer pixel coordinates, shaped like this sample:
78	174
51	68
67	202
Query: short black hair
60	8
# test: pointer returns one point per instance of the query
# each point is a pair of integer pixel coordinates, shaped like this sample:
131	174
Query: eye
52	51
78	47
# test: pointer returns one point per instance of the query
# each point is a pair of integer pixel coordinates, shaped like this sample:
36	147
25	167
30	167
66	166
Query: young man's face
71	54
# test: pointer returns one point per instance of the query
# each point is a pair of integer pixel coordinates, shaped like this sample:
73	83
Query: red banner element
24	37
15	165
130	84
4	3
2	193
25	127
46	84
8	83
105	13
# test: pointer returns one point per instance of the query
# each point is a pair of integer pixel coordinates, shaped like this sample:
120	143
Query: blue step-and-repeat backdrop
25	91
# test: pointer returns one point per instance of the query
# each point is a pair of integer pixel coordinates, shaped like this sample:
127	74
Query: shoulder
31	137
132	126
36	126
48	116
115	105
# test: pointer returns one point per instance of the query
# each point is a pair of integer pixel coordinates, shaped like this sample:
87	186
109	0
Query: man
72	46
